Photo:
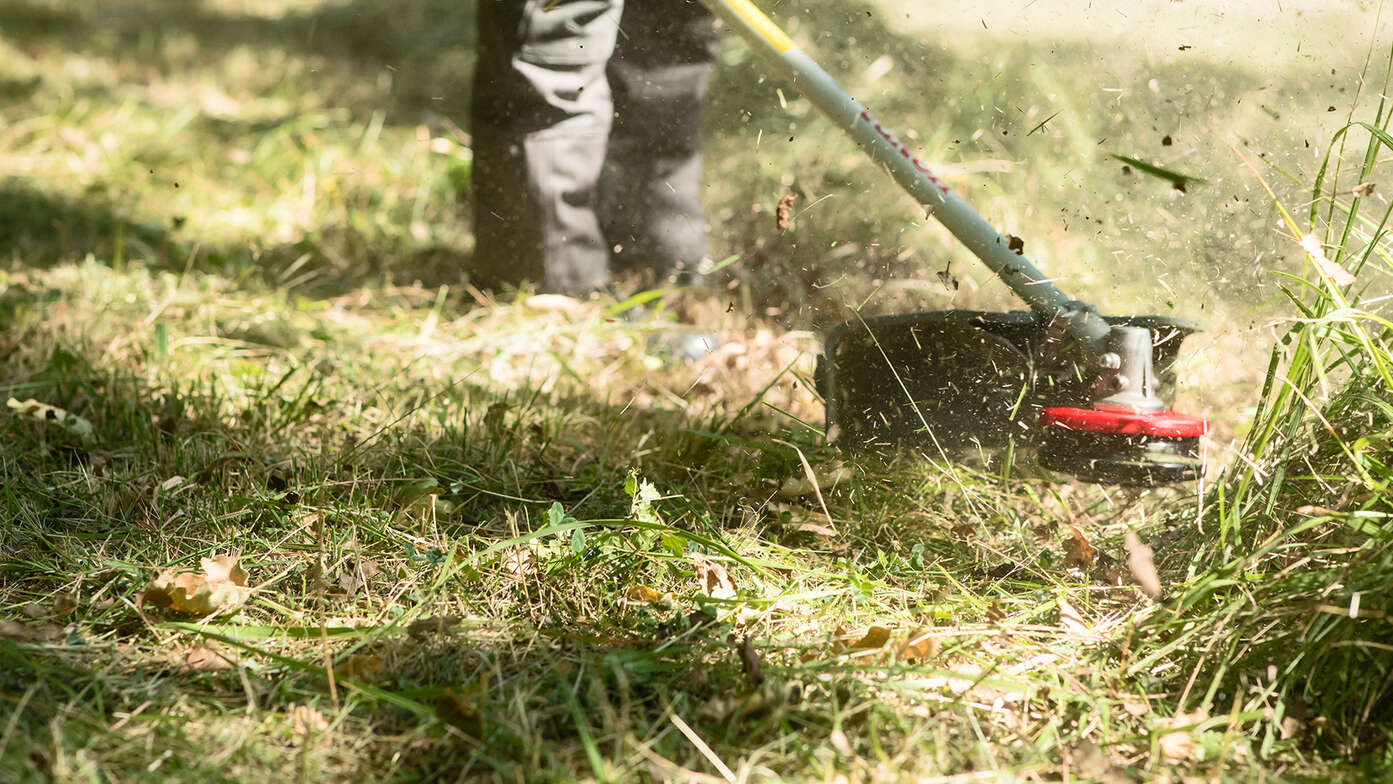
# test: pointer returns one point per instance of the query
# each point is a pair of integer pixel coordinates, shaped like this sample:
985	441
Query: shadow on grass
39	229
427	44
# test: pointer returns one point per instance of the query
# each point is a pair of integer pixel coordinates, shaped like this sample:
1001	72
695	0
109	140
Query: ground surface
310	506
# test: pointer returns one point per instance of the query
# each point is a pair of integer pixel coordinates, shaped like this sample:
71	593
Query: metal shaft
1082	323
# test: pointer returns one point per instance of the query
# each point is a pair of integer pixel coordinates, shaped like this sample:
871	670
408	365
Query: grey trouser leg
650	192
559	183
541	122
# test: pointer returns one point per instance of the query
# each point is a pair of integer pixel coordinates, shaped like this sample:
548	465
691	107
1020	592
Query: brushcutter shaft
1082	323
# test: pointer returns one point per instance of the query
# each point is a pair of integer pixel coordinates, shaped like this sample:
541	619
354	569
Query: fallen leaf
1177	745
875	637
519	563
32	610
436	624
64	604
361	666
222	585
713	578
1143	566
642	593
453	710
22	632
1077	550
223	569
201	658
307	720
809	527
1073	624
922	644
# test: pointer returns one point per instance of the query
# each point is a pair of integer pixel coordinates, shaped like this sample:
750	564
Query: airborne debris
1142	565
783	213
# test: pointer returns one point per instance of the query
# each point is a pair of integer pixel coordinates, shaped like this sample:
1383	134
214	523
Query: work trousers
586	123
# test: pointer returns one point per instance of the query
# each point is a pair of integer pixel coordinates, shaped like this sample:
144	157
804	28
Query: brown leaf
436	624
22	632
455	711
783	213
222	585
875	637
201	658
1077	550
223	569
307	720
362	667
642	593
64	604
713	578
1142	565
922	644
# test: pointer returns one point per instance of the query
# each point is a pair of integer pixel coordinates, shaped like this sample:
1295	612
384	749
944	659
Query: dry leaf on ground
1142	565
713	578
223	584
1073	624
875	637
64	604
436	624
22	632
1078	551
922	644
362	667
642	593
1178	745
454	710
519	563
202	658
307	719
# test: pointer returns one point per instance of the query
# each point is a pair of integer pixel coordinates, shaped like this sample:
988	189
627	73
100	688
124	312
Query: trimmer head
946	381
1122	447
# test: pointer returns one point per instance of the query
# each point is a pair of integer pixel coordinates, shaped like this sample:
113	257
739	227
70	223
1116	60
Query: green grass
234	241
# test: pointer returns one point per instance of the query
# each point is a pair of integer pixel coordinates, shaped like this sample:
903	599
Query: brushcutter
1088	390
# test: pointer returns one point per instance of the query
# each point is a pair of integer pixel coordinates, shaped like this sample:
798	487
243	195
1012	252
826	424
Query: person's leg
540	122
650	193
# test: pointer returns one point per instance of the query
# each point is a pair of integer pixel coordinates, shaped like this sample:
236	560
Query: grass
486	538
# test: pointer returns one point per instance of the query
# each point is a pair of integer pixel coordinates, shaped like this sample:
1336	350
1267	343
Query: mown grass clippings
484	537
